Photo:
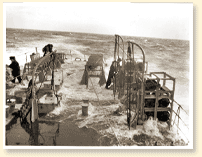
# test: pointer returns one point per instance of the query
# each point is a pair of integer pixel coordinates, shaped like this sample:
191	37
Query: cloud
165	20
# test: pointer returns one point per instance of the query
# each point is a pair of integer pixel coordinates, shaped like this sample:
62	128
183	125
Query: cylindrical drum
85	109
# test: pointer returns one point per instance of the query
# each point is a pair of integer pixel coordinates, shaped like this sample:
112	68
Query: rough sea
163	55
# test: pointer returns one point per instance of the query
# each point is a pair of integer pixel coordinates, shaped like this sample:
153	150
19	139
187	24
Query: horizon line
97	33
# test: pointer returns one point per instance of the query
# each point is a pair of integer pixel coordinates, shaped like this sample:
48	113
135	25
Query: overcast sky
161	20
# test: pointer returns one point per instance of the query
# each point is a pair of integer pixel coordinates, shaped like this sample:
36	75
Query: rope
104	113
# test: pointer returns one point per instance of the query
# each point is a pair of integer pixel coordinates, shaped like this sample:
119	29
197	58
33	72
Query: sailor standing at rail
112	72
129	51
15	69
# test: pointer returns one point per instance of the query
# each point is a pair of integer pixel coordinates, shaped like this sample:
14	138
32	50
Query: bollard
86	101
85	107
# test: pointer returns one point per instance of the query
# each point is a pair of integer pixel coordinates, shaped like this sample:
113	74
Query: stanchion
34	124
34	110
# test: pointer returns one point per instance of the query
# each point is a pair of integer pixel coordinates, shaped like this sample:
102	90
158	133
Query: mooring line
105	113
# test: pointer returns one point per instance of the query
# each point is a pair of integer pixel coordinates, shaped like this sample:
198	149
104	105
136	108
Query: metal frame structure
118	51
133	83
162	91
94	68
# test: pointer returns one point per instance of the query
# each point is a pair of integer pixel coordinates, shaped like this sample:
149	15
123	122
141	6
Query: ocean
167	55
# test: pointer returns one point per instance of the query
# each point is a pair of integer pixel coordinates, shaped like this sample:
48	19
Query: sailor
47	49
112	72
129	50
15	69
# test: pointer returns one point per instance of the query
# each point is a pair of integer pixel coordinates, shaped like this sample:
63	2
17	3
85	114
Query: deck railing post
87	75
172	99
62	77
52	80
164	81
156	101
35	132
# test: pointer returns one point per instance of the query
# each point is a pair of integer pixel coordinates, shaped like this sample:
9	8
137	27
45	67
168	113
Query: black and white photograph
104	75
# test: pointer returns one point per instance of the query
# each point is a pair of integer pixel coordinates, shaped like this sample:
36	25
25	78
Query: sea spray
58	109
150	128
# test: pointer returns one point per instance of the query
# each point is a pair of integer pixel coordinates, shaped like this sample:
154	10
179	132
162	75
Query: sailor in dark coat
15	69
129	51
114	66
47	49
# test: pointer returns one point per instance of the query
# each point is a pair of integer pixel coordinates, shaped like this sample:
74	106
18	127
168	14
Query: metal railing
184	127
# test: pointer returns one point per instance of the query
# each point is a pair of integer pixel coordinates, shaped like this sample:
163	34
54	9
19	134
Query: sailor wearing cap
15	69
